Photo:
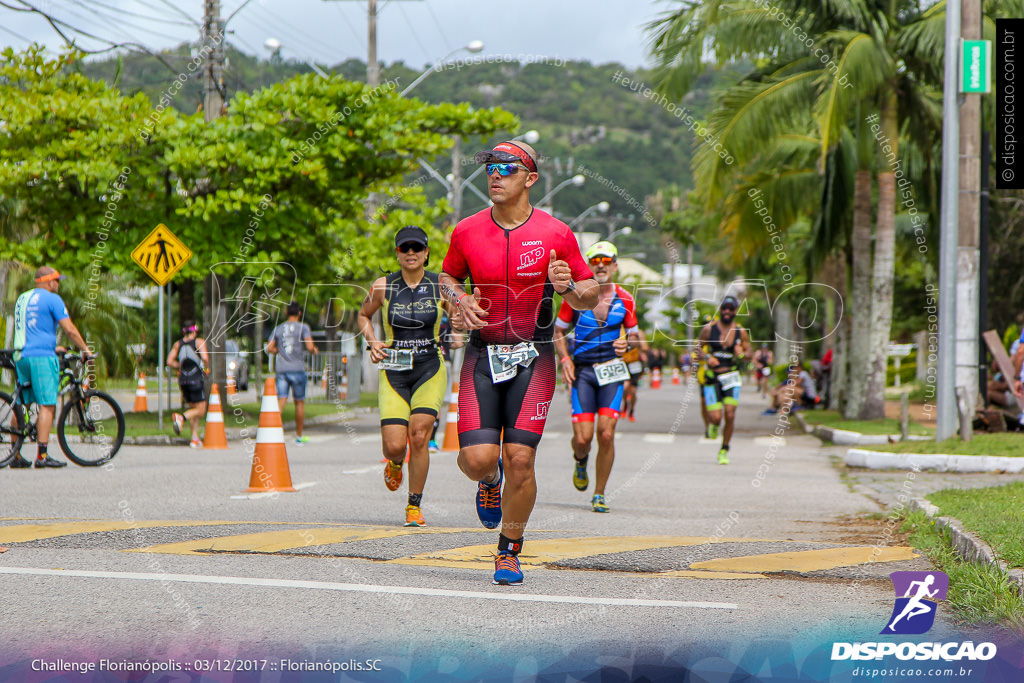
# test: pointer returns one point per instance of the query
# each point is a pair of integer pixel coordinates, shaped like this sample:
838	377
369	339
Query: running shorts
402	393
590	398
518	406
715	396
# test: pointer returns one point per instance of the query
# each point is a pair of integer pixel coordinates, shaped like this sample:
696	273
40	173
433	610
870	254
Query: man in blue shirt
37	315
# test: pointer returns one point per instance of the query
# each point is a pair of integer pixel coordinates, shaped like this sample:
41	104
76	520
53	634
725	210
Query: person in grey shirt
288	341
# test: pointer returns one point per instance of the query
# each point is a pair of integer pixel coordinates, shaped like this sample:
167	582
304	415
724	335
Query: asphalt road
162	555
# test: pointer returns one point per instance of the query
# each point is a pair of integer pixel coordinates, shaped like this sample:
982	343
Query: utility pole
946	412
213	107
372	67
967	277
457	179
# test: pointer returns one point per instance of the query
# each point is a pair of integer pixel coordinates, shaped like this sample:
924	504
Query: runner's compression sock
415	498
725	446
511	545
41	455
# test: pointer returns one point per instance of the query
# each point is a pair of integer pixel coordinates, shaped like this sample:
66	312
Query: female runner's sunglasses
504	169
602	261
411	246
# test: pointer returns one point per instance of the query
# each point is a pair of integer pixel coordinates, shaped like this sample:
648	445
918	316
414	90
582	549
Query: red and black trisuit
511	269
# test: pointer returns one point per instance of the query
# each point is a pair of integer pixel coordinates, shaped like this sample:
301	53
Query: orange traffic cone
141	406
232	390
451	426
675	376
656	379
215	438
270	470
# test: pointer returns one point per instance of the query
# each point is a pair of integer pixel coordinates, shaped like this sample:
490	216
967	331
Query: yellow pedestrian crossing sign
161	254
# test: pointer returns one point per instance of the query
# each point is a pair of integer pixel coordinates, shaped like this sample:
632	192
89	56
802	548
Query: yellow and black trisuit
412	322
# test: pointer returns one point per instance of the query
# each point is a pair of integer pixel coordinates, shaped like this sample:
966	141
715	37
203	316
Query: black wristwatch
570	288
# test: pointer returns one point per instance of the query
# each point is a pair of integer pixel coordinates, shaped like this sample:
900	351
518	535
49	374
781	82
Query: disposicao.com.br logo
917	597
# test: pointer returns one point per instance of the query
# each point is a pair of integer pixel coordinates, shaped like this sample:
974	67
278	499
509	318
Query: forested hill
631	145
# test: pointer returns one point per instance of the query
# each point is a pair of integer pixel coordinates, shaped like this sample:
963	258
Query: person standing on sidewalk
38	314
517	257
288	341
596	370
190	357
413	376
724	345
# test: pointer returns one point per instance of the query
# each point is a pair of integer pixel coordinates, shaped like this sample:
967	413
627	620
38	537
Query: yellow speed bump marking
22	533
276	541
541	552
807	560
690	574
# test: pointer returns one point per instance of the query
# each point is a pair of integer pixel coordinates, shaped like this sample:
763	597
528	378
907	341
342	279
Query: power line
415	34
351	27
53	22
16	35
179	11
437	23
107	18
160	20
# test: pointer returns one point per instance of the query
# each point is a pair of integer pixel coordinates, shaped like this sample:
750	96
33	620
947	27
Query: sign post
161	255
975	66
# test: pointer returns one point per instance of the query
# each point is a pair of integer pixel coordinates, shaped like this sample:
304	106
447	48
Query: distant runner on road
517	258
723	344
595	370
634	359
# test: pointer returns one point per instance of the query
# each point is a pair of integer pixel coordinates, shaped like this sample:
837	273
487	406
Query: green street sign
975	66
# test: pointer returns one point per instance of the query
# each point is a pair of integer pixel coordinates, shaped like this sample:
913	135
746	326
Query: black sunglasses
406	247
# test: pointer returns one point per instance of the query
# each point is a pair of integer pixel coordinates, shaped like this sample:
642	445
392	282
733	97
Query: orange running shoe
392	475
413	516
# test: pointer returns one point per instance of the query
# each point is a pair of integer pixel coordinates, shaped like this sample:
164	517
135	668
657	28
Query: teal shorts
44	374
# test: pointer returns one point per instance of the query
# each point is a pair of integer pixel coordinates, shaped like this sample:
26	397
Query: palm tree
881	55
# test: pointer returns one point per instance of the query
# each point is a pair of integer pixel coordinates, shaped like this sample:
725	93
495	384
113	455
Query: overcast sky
330	31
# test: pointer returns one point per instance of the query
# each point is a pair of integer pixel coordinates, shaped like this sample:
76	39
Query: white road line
271	494
659	438
363	470
769	440
365	588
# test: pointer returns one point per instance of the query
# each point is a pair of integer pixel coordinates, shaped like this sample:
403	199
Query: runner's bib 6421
611	371
396	360
730	380
504	359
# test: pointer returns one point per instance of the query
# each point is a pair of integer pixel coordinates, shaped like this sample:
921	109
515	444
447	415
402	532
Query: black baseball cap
411	233
730	302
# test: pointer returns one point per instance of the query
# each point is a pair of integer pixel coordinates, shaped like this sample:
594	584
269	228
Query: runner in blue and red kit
596	370
517	257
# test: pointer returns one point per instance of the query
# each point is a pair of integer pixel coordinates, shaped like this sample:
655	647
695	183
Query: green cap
602	248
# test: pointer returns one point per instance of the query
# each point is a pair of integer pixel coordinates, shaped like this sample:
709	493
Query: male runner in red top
516	257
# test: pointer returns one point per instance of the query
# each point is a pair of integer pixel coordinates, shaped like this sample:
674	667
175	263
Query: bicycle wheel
90	428
11	423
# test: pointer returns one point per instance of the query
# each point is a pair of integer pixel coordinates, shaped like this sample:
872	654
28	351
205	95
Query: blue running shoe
488	500
506	570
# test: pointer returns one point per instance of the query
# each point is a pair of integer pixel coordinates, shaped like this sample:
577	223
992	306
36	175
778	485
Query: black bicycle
90	426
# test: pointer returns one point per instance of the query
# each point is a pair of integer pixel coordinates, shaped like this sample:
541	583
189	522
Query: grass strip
835	420
979	594
1008	444
995	513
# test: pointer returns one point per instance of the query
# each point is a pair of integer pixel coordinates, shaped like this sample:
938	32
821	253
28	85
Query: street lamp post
577	180
600	207
612	233
473	46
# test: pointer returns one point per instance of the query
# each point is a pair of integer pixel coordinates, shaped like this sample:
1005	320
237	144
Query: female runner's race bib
396	360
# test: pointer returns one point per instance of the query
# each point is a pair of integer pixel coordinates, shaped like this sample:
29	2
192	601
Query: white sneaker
195	443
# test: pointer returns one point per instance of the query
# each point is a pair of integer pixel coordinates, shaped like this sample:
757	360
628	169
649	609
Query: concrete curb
968	545
845	437
236	434
877	460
